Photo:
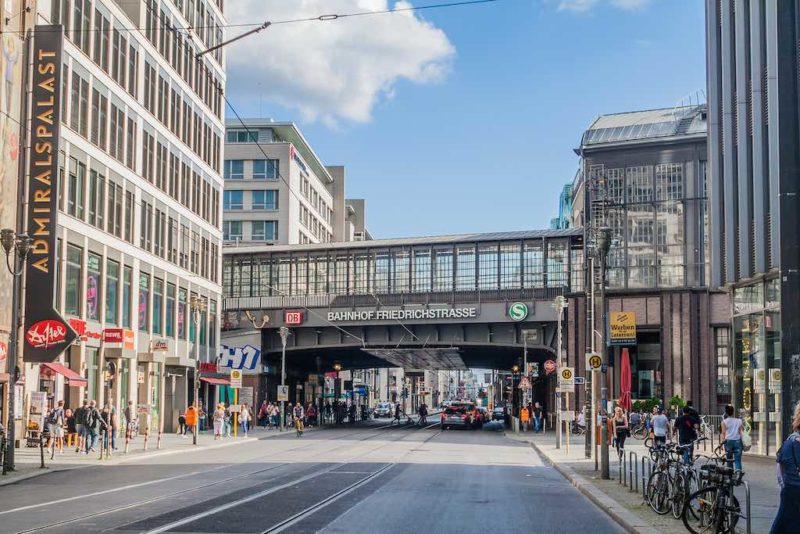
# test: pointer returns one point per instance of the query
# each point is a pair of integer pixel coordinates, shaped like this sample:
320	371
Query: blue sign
360	389
244	358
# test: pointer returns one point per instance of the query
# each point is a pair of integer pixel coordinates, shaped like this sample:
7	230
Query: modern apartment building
754	171
139	224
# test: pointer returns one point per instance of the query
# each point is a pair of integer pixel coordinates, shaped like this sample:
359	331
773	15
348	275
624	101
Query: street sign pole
284	333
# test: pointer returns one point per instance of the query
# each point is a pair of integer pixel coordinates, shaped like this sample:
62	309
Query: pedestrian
274	414
219	418
311	414
244	418
72	431
397	410
80	427
524	417
537	417
182	424
621	431
226	421
635	418
661	426
106	427
93	423
263	414
732	429
686	427
114	425
788	459
130	420
55	425
190	420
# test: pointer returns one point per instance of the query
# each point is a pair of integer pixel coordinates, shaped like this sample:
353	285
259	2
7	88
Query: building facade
754	170
139	222
564	219
643	177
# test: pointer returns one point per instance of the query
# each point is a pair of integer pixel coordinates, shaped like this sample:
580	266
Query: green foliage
677	400
646	405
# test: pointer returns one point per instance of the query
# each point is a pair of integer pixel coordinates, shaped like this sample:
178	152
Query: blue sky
488	146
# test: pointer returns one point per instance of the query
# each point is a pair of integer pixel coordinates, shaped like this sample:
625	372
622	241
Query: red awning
216	381
74	379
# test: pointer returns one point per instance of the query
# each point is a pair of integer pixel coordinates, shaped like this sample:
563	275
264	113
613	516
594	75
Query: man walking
92	421
660	427
130	420
686	427
537	418
80	428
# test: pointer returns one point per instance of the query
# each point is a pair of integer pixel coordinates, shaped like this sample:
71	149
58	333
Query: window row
467	267
647	183
263	199
259	231
260	169
316	199
314	225
161	309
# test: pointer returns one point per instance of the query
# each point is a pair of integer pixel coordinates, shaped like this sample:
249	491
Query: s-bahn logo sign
399	315
518	311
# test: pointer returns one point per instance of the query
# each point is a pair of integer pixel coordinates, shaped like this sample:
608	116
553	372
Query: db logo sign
293	317
46	333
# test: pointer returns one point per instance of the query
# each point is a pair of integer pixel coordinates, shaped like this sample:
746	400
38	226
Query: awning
74	379
215	381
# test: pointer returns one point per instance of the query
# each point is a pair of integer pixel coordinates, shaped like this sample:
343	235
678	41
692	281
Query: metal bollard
747	503
127	441
633	465
146	438
158	441
646	461
41	448
102	444
3	452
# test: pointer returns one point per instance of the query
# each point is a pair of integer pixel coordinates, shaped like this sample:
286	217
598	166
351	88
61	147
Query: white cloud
336	69
586	5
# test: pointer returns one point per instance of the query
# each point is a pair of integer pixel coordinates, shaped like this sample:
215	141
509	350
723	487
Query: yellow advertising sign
622	328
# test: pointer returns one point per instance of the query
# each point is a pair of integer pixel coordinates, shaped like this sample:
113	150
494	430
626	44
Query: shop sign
622	328
293	317
143	409
47	335
399	315
775	380
159	345
118	338
206	367
760	380
245	358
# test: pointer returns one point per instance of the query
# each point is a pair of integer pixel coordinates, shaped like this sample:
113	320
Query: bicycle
639	431
685	481
298	425
659	485
578	430
714	508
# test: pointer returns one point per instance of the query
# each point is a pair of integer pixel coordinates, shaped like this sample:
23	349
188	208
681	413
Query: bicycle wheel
640	432
658	492
678	497
700	510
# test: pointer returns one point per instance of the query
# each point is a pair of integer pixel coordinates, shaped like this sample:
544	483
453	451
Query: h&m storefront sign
399	315
47	334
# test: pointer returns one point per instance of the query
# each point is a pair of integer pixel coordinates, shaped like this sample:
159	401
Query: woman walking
621	429
788	459
245	416
732	429
219	418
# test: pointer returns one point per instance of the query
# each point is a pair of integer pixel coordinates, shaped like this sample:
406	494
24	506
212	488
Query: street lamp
16	247
284	333
197	307
603	246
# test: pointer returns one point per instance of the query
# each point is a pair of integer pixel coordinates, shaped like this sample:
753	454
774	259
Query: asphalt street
366	479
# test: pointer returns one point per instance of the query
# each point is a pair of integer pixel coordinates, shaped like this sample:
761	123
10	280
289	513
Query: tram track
373	433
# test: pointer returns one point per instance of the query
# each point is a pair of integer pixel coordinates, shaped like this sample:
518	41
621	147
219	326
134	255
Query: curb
136	456
625	518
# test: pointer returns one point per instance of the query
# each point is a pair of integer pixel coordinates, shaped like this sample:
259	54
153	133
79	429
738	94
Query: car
498	414
383	409
460	415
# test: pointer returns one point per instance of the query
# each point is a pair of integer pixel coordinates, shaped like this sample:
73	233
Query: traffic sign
593	361
580	380
549	366
524	383
566	379
518	311
283	393
236	378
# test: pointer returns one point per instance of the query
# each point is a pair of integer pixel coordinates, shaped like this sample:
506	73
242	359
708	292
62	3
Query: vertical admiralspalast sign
47	334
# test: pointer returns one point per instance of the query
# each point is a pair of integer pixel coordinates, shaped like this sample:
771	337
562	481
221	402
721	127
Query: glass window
212	324
533	265
73	297
487	267
510	266
265	169
181	313
381	270
640	184
722	353
465	268
158	306
402	271
233	199
144	302
265	230
112	291
615	179
422	271
127	279
443	269
241	136
669	181
170	310
93	287
77	180
234	169
232	230
557	264
265	200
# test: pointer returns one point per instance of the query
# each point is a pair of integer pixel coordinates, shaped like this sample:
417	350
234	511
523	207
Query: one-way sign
580	380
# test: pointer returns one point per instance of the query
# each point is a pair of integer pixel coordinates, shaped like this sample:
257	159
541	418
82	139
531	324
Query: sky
462	119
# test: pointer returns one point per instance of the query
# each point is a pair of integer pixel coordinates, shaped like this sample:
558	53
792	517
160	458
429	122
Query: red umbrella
625	381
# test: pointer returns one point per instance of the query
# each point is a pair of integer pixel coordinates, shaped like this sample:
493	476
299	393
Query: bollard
633	465
127	441
41	448
102	443
146	438
645	474
747	504
158	441
3	452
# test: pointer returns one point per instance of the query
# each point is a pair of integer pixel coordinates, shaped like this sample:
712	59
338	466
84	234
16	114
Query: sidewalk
627	507
28	459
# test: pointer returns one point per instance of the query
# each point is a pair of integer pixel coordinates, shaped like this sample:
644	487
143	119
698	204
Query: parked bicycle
640	431
714	507
577	429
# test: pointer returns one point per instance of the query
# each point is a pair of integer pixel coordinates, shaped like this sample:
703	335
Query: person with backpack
92	423
55	425
686	427
80	416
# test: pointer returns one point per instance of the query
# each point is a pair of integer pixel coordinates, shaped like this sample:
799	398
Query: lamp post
16	247
559	304
284	333
603	246
197	307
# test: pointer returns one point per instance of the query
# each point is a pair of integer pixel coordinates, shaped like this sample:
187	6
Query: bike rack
633	464
747	503
646	473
